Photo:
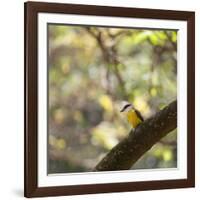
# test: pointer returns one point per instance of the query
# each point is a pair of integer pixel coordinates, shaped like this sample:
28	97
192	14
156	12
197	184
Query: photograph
103	84
109	99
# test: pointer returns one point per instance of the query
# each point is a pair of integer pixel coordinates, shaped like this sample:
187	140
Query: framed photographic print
109	99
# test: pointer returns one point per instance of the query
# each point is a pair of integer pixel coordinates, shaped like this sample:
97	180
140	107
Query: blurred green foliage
92	70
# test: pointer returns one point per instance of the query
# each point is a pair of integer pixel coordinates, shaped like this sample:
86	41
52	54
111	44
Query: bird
134	117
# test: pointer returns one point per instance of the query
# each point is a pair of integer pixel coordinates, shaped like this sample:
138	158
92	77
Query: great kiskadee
133	115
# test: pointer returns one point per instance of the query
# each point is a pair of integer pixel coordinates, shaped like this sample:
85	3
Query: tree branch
110	56
140	140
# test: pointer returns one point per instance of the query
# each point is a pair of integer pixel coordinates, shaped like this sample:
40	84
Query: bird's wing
139	114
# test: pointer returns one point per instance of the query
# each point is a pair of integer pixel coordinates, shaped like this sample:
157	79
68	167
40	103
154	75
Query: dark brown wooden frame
31	188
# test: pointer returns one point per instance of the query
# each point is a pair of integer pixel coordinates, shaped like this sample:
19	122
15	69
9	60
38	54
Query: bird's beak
122	110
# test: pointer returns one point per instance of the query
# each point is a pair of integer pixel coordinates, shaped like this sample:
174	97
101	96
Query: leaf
174	36
60	143
142	36
106	102
167	155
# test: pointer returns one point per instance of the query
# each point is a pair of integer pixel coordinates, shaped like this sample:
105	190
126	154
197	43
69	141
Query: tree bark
125	154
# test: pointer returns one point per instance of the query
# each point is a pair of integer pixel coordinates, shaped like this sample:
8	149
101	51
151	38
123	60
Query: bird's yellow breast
133	119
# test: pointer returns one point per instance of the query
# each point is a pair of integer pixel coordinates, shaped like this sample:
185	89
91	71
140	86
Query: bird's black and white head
127	107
